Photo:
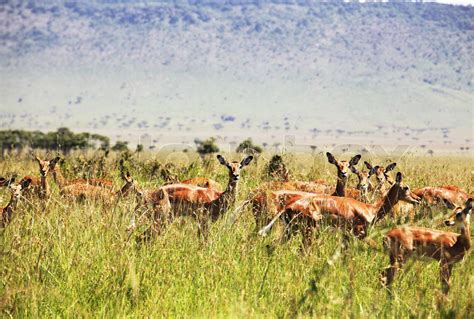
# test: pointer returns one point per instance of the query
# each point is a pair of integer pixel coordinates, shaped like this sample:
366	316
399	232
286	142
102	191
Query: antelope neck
341	186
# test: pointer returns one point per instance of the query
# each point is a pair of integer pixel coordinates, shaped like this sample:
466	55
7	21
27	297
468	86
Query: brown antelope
83	191
203	182
345	212
450	195
446	247
40	186
205	203
61	181
266	198
343	169
384	181
381	175
17	190
363	184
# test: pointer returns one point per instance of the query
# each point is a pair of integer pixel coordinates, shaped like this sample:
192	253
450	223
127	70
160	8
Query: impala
205	203
381	175
17	190
450	195
265	198
61	181
203	182
86	191
446	247
384	180
343	211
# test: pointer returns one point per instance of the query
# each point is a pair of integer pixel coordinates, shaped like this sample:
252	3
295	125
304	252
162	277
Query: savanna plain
63	258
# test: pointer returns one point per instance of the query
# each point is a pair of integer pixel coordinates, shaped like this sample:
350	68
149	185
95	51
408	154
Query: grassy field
76	259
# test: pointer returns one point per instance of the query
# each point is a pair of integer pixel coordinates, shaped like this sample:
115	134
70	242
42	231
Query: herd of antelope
301	206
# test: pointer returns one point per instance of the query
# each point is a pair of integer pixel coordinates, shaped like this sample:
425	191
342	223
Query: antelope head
343	167
460	216
19	188
234	168
364	179
45	166
380	172
398	191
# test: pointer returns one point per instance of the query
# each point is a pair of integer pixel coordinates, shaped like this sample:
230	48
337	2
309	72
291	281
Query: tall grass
76	259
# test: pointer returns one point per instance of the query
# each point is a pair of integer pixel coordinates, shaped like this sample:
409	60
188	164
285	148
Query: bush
207	146
247	146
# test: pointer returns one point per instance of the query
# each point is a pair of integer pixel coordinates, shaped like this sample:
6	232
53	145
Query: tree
207	146
247	146
120	146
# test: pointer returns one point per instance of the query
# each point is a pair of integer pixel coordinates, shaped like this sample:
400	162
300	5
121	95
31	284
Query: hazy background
171	71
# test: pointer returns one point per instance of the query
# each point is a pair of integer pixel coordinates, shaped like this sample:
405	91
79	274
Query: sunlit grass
69	259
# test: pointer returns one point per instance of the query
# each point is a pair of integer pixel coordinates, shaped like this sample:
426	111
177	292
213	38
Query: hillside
308	61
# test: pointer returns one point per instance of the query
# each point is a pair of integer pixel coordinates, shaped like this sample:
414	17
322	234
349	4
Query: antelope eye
459	216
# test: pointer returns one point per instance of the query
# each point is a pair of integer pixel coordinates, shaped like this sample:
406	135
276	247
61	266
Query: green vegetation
65	259
62	140
207	146
247	146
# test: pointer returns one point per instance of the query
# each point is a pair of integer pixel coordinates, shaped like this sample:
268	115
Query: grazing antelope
446	247
82	191
450	195
344	212
203	182
7	211
61	181
205	203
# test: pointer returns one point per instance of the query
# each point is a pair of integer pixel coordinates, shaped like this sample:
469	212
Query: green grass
68	259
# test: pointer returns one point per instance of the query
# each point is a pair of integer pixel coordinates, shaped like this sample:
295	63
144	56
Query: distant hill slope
429	43
293	55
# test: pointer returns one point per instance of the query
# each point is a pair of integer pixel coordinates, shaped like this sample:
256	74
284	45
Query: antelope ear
390	167
354	169
25	183
399	178
246	161
367	164
54	161
469	203
448	204
331	158
222	159
355	160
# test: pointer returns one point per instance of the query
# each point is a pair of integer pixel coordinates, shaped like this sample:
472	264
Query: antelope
40	186
7	211
401	209
445	247
381	175
61	181
204	203
363	184
265	199
343	211
86	191
448	194
203	182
